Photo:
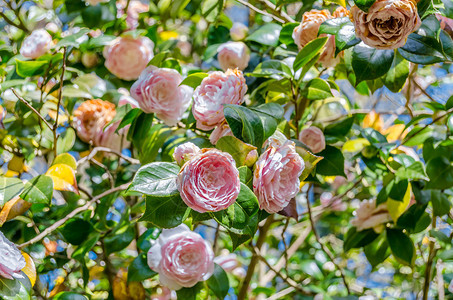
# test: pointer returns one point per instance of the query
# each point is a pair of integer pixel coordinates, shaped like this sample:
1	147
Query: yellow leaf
355	145
29	269
395	132
63	177
17	164
397	208
168	35
339	2
373	120
66	159
13	208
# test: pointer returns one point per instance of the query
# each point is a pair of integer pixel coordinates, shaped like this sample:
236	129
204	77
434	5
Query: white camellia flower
12	260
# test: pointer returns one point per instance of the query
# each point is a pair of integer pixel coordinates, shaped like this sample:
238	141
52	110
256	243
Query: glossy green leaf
18	288
344	32
396	77
164	211
364	4
31	68
440	173
139	270
38	190
218	283
238	149
156	179
194	80
357	239
401	245
210	9
308	52
9	188
245	124
332	163
119	239
76	231
369	63
318	89
377	251
272	68
69	296
267	34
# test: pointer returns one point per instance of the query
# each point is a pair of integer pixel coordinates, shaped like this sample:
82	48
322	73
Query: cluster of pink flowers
36	44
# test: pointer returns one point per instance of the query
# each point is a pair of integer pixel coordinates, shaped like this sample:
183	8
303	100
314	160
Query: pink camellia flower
157	91
387	24
126	57
233	55
185	152
90	119
238	31
313	137
36	44
134	9
209	181
12	261
219	132
368	215
276	176
445	24
228	261
181	257
308	29
214	91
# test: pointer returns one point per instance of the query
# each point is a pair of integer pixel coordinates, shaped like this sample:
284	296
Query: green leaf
440	173
128	118
119	239
194	80
440	202
415	171
272	68
245	124
76	231
396	77
245	175
87	245
238	239
218	282
309	158
65	159
369	63
357	239
38	190
144	241
344	32
73	40
340	128
270	115
364	4
238	149
377	251
210	9
401	245
165	212
309	52
318	89
332	163
267	34
69	296
424	49
31	68
9	188
286	34
156	179
66	140
241	216
18	288
409	219
139	270
190	293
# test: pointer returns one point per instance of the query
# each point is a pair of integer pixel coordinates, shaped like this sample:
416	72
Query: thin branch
73	213
324	248
254	8
32	108
282	293
429	264
423	90
281	14
285	252
108	150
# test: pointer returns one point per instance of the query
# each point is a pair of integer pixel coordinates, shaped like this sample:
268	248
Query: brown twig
324	248
254	8
73	213
108	150
32	108
60	96
429	263
280	13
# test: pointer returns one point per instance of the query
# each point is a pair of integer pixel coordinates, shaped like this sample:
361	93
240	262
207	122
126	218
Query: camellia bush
220	149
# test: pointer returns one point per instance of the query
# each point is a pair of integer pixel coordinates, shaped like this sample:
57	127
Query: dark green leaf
190	293
38	190
396	77
210	9
143	241
401	245
218	282
340	128
69	296
440	202
318	89
272	68
286	34
76	231
369	63
332	163
18	288
357	239
440	173
73	40
309	52
423	50
245	124
266	35
119	239
165	212
377	251
139	270
156	179
344	32
364	4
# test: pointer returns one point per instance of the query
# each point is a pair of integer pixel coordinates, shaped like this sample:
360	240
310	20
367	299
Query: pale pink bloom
313	137
387	24
209	181
126	57
219	132
307	31
185	152
90	120
228	261
233	55
238	31
327	203
181	257
126	99
96	2
276	176
370	216
135	8
36	44
217	89
12	261
157	91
